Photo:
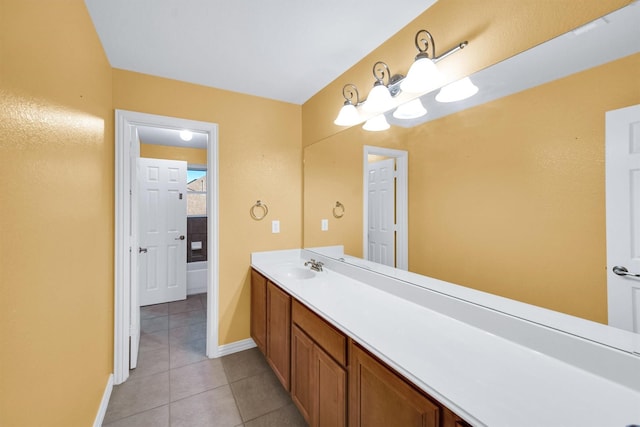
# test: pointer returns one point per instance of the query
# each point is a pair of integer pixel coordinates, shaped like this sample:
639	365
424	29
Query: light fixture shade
186	135
348	116
457	91
410	110
376	123
422	77
379	100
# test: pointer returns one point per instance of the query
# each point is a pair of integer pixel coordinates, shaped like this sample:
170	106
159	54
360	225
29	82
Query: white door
134	314
381	211
162	229
623	217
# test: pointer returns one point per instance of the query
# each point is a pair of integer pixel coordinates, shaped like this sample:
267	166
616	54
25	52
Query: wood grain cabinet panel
302	389
318	381
380	398
259	310
279	332
330	386
449	419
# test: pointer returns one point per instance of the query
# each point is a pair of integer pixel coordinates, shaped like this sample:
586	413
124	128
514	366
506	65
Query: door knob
142	250
622	271
180	238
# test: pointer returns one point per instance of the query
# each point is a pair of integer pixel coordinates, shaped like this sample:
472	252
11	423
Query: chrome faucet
315	265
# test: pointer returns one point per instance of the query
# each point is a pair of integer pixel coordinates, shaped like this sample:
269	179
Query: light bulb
411	110
376	123
379	100
186	135
348	116
457	91
422	77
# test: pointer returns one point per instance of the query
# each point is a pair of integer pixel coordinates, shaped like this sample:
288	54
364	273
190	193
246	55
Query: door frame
125	242
402	202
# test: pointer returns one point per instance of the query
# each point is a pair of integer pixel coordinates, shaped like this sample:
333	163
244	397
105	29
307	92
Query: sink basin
294	272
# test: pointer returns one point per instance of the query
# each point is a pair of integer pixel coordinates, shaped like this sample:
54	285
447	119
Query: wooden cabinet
279	332
259	310
449	419
271	324
380	398
318	372
309	357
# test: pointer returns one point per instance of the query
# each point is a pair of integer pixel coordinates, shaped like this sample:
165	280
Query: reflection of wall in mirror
507	197
197	156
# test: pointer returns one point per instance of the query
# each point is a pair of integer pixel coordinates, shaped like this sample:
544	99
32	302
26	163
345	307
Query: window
196	191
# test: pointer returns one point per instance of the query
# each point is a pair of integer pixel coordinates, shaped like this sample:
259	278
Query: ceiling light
457	91
379	99
186	135
410	110
376	123
348	115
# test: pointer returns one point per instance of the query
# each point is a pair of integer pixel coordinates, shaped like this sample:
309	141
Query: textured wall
56	215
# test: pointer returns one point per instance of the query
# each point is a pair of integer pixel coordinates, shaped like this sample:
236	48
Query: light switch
275	226
324	225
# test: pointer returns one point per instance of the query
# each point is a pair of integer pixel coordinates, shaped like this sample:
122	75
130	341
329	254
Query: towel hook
263	210
338	210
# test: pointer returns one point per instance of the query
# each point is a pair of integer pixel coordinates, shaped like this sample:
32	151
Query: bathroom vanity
360	348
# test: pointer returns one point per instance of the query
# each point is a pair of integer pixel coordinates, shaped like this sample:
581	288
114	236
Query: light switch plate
275	226
324	225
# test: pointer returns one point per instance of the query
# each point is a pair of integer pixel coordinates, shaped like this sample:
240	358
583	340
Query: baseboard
196	290
234	347
102	410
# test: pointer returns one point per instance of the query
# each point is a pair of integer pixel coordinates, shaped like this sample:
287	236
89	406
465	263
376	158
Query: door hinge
130	193
180	196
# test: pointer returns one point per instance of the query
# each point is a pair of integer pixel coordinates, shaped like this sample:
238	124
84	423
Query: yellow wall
56	215
193	156
260	158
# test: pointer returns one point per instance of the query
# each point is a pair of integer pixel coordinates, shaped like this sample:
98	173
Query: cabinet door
449	419
302	354
279	332
259	310
380	398
330	380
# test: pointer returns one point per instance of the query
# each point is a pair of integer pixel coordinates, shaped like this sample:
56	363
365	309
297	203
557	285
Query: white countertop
483	377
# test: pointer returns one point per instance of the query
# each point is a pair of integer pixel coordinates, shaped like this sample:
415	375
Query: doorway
398	161
622	166
126	304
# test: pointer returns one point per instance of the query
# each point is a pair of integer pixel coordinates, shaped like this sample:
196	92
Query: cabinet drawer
325	335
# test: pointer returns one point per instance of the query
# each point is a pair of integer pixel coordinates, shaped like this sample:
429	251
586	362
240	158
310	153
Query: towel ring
259	215
338	210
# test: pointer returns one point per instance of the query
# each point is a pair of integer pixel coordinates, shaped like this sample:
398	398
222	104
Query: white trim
104	403
234	347
125	120
402	202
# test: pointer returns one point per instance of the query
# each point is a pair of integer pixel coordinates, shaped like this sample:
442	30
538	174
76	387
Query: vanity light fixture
410	110
348	115
379	99
457	91
423	75
186	135
376	123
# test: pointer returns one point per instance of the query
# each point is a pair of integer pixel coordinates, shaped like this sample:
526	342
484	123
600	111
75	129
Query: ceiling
285	50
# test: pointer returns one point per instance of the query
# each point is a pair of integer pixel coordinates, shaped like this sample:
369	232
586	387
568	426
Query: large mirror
506	191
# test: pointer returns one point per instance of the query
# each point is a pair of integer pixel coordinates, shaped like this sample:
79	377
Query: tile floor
176	385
